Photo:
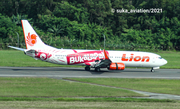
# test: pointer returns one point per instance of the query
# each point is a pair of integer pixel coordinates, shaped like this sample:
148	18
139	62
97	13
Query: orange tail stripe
24	34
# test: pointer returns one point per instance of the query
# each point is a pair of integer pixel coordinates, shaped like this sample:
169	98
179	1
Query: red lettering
84	57
145	57
137	58
131	57
124	58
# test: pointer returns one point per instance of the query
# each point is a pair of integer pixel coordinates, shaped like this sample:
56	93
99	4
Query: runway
63	72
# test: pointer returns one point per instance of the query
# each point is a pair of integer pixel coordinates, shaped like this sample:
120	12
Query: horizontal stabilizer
17	48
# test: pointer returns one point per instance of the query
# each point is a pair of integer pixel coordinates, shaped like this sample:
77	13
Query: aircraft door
153	60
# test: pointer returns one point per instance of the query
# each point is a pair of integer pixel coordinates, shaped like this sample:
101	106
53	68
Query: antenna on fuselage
104	41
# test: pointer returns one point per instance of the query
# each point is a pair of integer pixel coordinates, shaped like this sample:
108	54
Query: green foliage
5	28
56	29
83	22
65	9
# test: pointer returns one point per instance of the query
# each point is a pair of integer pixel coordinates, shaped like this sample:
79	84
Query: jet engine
116	66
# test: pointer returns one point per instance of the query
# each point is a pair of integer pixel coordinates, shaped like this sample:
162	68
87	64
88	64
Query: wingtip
105	54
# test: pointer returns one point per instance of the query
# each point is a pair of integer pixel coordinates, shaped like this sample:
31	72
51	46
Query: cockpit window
160	57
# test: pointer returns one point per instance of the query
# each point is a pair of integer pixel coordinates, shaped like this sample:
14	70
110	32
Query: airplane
97	59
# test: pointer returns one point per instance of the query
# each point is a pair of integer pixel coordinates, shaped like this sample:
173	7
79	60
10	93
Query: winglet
105	54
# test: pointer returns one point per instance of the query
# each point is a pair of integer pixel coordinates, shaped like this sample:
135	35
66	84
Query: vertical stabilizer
32	39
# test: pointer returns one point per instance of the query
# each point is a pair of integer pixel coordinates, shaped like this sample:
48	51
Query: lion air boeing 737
113	60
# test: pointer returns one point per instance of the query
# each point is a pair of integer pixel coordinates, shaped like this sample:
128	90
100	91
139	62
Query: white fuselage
113	60
88	57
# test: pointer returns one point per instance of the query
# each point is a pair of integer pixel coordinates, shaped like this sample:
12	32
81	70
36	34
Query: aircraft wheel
97	69
152	70
87	68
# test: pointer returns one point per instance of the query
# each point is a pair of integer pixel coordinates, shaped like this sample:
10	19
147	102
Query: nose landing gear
152	70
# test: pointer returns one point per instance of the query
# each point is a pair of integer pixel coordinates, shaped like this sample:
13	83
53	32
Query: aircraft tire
87	68
152	70
97	69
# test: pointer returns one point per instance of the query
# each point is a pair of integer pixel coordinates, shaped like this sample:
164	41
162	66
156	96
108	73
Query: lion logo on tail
31	39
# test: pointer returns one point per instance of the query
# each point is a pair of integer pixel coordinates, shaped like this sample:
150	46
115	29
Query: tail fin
32	39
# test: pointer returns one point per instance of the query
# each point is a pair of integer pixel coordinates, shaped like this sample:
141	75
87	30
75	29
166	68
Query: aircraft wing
104	62
17	48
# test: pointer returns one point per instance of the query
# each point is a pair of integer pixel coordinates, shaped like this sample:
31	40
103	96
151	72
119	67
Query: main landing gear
97	69
87	68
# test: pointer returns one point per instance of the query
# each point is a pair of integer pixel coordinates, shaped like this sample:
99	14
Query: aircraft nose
165	61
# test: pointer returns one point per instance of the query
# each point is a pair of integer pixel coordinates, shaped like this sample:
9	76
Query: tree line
81	23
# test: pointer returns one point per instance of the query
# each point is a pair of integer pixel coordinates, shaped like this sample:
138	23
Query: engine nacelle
116	66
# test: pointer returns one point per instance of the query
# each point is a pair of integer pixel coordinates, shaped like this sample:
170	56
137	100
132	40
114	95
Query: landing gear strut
152	70
87	68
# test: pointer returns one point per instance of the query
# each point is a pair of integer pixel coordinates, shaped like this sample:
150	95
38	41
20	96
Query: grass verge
48	87
165	86
87	105
85	99
20	93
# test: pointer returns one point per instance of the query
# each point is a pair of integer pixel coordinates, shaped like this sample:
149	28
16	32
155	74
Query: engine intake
116	66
